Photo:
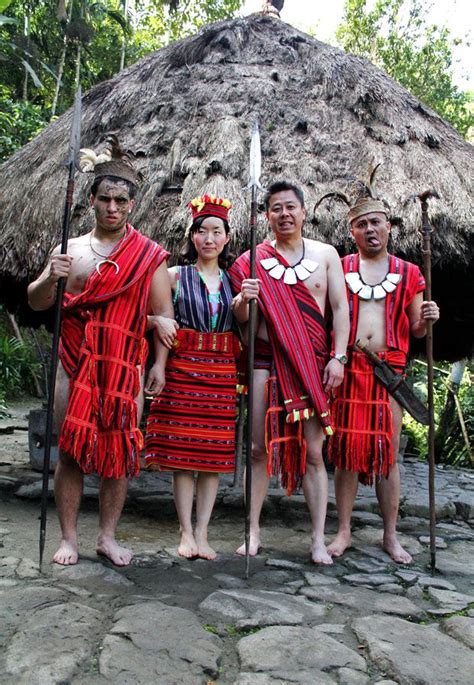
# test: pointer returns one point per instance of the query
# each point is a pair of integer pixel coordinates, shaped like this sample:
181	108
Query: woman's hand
166	329
155	381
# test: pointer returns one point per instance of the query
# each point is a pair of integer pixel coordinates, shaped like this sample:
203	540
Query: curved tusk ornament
106	261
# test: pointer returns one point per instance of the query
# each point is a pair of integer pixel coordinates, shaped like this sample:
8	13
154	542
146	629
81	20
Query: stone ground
166	620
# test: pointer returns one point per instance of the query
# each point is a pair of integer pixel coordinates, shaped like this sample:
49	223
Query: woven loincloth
362	414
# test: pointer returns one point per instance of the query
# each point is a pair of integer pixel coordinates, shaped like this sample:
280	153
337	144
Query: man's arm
419	313
334	371
164	326
42	292
161	305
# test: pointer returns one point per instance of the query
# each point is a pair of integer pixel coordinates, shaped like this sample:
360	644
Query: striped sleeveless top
196	308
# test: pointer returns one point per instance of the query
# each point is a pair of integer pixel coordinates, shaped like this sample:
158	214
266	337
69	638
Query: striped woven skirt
362	415
191	425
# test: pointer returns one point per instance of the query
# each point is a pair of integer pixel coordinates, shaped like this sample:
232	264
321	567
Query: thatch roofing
186	112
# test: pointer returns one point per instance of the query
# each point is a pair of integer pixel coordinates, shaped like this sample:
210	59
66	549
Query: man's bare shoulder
316	248
74	244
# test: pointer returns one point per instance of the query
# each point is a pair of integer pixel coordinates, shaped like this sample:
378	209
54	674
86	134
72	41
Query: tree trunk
62	61
27	36
124	37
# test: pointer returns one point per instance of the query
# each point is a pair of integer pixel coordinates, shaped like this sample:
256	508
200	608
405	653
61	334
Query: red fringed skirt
362	441
191	425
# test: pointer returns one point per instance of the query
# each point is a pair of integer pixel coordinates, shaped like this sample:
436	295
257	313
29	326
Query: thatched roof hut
186	112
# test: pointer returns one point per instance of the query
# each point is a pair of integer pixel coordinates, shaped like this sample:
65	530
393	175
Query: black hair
132	188
188	253
280	186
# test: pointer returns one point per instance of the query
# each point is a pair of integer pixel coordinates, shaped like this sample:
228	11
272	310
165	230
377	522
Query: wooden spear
74	145
254	186
426	231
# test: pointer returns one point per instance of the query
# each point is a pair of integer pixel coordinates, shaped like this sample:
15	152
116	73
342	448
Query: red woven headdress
210	205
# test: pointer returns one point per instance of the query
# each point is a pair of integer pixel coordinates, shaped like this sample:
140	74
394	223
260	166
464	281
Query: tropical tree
397	36
45	45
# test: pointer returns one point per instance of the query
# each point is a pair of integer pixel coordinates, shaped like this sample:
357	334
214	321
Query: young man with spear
299	280
112	274
386	306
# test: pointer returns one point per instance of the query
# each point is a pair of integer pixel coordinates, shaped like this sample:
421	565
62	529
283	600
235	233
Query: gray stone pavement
167	620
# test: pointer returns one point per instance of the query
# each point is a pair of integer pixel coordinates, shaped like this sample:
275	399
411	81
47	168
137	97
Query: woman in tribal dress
191	425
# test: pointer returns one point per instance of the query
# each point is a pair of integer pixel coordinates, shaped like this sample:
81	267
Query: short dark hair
280	186
132	189
188	253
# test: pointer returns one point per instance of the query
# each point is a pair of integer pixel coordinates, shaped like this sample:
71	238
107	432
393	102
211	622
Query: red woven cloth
299	342
191	424
101	346
362	414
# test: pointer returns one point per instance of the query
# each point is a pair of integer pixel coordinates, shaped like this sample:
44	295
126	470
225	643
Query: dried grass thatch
186	113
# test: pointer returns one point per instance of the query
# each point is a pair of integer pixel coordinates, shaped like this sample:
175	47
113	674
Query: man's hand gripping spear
74	145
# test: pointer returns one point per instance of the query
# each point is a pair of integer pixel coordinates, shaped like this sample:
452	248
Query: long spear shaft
254	184
426	231
74	145
252	330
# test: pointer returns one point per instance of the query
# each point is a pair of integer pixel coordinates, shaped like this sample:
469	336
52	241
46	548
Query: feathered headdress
210	205
112	161
365	200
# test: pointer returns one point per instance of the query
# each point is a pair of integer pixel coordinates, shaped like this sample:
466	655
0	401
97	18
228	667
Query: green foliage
41	39
20	121
451	447
17	363
396	36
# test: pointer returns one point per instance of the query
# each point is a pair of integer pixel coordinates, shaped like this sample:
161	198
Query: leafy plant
452	442
17	363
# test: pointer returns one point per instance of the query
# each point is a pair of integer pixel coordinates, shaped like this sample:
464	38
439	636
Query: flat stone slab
18	602
440	543
367	565
260	607
297	655
154	643
364	601
461	628
91	569
458	560
372	579
411	653
50	645
320	579
452	601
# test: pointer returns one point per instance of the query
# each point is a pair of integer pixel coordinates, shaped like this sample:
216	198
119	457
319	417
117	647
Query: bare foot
254	546
205	551
341	542
67	554
109	547
392	546
319	553
187	546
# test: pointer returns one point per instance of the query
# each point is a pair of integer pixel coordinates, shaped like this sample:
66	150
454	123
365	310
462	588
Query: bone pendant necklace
372	292
290	274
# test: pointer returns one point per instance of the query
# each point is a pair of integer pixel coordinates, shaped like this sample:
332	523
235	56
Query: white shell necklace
291	274
372	292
